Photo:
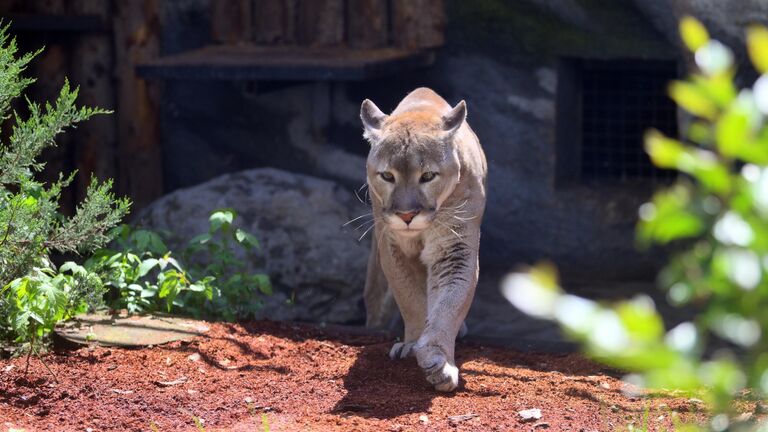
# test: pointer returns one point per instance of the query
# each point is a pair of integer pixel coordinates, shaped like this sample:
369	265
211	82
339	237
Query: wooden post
95	139
49	69
230	21
418	23
367	23
321	22
11	6
136	34
274	21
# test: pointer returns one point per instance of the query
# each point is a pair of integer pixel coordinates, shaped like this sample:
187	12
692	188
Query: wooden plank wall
136	39
274	22
409	24
92	71
126	145
231	21
50	69
367	23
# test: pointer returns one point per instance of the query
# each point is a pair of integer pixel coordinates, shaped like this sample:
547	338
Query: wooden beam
418	23
285	63
137	30
367	23
321	22
274	21
230	21
95	139
49	7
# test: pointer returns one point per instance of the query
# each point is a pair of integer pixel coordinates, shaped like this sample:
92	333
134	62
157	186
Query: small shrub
717	213
144	275
34	294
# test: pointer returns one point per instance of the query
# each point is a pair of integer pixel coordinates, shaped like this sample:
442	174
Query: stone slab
128	331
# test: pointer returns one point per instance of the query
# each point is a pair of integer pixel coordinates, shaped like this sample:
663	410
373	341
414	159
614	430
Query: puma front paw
401	350
437	369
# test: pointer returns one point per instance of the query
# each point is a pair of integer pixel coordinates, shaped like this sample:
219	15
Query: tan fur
429	265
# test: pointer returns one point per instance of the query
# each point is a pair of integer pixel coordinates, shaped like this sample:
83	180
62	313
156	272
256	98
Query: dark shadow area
382	388
378	387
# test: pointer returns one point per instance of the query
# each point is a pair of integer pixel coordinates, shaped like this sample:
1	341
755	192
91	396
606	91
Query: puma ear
455	118
373	119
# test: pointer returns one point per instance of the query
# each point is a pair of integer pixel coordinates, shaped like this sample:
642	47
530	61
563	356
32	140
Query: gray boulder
298	220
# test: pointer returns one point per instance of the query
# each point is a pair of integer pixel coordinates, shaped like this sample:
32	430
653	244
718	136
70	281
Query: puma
426	174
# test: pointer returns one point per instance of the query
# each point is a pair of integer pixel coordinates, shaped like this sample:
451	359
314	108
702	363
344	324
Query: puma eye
387	176
427	176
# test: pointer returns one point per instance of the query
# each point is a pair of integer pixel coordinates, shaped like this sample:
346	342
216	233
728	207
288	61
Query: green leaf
668	218
69	266
168	286
693	33
200	239
246	239
664	152
693	99
719	89
265	285
146	266
732	132
34	316
221	218
156	244
141	239
641	320
196	288
700	132
757	46
172	261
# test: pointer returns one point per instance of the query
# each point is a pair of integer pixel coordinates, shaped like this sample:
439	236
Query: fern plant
34	293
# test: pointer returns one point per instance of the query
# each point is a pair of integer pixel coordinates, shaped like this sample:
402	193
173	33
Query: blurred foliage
717	213
34	294
144	276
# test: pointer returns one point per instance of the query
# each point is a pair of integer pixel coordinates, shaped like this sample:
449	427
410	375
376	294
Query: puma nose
407	217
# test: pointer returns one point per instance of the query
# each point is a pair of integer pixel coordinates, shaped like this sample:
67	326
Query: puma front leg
407	279
451	282
380	308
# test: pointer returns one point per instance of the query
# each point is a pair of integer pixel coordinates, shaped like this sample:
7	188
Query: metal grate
620	100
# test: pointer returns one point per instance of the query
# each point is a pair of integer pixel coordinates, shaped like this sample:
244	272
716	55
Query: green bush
34	294
717	214
144	276
140	274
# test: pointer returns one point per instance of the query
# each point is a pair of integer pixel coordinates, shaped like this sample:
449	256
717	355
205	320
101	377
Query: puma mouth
409	232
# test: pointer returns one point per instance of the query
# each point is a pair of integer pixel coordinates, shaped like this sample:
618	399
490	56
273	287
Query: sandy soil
293	377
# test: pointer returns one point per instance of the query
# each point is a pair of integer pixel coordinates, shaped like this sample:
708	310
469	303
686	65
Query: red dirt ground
301	378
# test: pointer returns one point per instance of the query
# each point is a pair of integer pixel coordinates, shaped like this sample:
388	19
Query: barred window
604	109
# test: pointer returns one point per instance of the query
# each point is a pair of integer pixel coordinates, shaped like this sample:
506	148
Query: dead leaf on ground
461	418
178	381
